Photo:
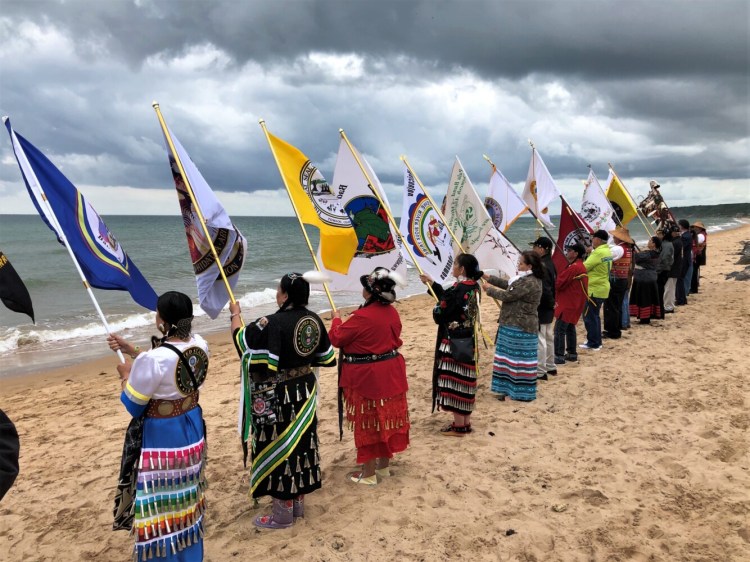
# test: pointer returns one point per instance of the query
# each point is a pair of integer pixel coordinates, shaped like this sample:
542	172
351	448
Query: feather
400	281
317	277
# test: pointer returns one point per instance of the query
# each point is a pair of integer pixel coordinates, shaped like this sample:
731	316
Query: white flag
595	207
540	189
376	239
466	215
229	243
425	232
503	203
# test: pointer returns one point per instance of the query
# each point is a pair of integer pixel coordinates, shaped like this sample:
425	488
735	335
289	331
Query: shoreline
10	381
637	452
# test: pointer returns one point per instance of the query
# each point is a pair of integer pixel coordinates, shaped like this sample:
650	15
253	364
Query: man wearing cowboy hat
699	254
619	281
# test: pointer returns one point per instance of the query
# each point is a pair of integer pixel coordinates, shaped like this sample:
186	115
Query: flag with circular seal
103	261
425	231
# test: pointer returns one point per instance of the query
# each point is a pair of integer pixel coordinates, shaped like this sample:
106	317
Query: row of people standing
162	479
643	284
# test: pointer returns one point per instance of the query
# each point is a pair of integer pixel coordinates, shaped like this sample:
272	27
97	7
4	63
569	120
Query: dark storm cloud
589	37
671	75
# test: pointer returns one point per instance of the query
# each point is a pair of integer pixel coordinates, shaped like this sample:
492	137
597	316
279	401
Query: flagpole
262	124
536	201
197	207
387	211
494	169
64	240
637	210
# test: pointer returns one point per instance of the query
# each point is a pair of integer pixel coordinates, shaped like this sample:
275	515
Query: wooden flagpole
296	212
197	208
387	210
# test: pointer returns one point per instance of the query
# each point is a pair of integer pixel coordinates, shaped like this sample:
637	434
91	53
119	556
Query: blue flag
103	261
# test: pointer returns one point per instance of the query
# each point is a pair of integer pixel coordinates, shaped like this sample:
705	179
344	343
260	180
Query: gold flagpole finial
261	121
154	104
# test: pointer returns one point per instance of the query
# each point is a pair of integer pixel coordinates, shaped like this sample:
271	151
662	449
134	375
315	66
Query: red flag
572	229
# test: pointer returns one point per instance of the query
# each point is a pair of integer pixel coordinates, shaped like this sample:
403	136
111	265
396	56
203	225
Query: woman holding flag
454	379
280	396
514	371
162	477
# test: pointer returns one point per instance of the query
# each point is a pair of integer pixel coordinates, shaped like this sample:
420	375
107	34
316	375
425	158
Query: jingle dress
454	383
169	501
373	378
279	399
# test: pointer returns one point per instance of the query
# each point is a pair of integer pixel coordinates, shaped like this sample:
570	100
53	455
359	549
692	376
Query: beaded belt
369	357
282	375
171	408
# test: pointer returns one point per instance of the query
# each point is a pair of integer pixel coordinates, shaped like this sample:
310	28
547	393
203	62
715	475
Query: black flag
13	292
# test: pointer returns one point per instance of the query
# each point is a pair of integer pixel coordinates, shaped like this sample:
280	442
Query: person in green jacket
597	265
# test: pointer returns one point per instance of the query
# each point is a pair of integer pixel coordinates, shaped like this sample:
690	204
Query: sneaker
553	372
542	377
570	357
559	360
587	346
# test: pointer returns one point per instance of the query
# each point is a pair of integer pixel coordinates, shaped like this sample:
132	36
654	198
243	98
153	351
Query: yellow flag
620	199
317	205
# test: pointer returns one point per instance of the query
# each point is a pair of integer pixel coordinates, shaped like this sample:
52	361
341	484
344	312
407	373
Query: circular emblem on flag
198	361
495	211
590	211
577	236
306	336
326	202
532	188
370	222
422	226
618	210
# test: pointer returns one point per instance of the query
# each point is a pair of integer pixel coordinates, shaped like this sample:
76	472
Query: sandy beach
638	452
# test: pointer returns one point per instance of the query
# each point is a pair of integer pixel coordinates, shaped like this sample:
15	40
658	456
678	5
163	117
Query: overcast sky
657	88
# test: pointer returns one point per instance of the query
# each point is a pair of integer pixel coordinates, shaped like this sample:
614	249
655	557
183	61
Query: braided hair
176	310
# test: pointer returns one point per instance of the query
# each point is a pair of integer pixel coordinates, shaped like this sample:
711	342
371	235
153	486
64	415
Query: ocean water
68	329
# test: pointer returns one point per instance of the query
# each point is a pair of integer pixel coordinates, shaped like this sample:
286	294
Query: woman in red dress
373	376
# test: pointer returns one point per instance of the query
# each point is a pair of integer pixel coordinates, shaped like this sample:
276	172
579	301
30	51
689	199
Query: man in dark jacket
674	271
686	271
542	247
666	259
